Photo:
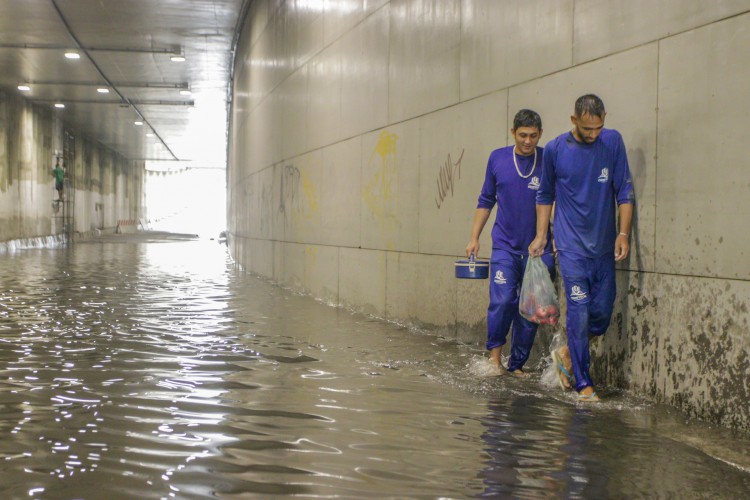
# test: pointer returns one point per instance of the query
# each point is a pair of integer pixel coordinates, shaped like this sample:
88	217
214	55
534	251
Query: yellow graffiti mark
311	193
381	192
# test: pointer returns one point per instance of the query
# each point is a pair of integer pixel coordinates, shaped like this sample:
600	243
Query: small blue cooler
472	269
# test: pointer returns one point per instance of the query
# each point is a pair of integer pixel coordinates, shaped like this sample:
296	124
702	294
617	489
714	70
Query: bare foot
519	373
587	394
563	367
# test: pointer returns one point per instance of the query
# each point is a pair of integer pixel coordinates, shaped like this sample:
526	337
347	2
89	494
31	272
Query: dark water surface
158	370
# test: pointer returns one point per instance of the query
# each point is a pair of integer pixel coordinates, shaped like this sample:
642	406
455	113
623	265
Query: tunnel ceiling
127	47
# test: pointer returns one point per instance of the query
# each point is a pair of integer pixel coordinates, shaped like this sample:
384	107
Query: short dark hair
589	104
527	118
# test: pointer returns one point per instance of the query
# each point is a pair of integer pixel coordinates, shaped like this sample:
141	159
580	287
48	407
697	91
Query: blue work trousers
590	292
506	277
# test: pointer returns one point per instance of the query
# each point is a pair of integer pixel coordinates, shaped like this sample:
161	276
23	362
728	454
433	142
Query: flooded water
156	369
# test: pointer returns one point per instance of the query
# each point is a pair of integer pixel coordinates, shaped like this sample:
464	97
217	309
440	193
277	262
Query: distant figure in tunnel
59	173
512	178
586	173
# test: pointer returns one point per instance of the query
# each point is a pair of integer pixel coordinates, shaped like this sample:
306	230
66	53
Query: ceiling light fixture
138	122
177	58
59	105
185	92
24	88
72	55
103	90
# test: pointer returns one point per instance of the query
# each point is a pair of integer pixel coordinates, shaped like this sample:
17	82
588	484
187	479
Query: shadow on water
154	369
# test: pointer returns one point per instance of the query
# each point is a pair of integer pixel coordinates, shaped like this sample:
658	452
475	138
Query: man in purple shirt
511	181
586	173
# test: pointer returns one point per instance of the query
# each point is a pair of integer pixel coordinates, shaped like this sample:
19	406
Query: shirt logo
577	294
534	183
499	278
605	175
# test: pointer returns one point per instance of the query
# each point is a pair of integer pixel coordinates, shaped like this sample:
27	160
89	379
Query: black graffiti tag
450	171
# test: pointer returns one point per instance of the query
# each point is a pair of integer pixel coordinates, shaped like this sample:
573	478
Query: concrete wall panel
257	16
307	29
362	278
293	99
282	44
424	56
506	43
324	99
703	174
258	197
261	68
292	272
345	14
260	259
341	209
322	272
603	28
390	187
454	148
364	89
627	84
264	145
336	22
472	299
422	290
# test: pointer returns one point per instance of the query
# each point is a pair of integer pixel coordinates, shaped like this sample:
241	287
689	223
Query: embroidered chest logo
534	183
499	278
577	294
604	177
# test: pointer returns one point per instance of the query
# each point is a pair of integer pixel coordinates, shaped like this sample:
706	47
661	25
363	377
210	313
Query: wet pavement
149	366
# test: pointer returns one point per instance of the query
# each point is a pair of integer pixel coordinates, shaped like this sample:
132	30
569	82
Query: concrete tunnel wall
107	186
359	136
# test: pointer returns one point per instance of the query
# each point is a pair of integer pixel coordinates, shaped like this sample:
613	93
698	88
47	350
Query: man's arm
480	219
622	243
543	214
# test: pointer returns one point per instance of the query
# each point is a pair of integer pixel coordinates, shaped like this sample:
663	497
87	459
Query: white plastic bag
538	301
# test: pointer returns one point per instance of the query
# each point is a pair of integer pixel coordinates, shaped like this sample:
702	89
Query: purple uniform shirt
515	222
585	181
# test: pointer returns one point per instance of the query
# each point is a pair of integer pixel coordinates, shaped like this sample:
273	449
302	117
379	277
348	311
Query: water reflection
156	370
539	449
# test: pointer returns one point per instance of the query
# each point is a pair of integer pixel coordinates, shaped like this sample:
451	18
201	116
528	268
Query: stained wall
359	136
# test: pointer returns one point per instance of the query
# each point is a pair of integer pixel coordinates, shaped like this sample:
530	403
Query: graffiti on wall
380	193
299	195
289	196
449	173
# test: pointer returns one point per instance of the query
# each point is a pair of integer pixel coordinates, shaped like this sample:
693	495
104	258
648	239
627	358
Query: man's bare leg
495	356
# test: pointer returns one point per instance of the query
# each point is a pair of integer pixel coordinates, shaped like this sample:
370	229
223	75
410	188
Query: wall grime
674	341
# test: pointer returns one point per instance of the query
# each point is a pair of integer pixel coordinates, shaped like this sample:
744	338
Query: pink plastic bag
538	301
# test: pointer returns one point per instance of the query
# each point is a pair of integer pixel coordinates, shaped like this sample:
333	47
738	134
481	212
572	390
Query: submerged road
151	367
